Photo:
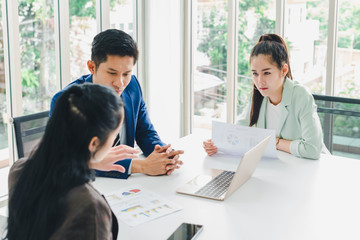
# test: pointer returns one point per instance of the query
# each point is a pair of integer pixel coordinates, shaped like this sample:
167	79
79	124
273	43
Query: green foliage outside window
83	8
348	25
214	44
38	44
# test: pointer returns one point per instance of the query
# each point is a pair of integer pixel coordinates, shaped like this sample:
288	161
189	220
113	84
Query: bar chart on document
134	205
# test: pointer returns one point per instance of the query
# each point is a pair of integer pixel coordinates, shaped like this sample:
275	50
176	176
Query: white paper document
134	205
237	140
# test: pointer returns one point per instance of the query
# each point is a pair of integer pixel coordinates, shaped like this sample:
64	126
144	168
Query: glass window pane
345	135
82	31
4	151
209	68
122	15
37	50
346	130
255	18
306	32
347	82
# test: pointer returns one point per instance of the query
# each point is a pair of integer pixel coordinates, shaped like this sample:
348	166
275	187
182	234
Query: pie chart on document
233	139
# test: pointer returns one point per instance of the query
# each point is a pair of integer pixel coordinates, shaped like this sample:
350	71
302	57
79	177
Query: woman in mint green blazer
280	103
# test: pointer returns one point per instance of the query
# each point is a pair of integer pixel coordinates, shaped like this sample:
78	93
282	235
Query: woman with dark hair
280	103
50	195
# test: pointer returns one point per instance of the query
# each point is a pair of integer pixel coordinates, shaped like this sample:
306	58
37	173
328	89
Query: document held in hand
236	140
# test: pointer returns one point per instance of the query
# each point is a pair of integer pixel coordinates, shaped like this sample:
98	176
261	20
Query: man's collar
88	78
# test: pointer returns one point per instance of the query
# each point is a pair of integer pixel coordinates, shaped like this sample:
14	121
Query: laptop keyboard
216	187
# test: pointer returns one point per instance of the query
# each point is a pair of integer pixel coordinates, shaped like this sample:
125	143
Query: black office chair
335	112
28	131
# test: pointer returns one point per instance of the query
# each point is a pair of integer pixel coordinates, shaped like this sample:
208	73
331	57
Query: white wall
163	65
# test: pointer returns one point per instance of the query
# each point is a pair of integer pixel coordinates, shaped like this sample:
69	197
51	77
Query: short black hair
113	42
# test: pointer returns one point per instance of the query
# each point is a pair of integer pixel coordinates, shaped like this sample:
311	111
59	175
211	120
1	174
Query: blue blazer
138	125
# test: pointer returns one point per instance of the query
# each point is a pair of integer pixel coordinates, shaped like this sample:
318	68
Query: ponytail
274	46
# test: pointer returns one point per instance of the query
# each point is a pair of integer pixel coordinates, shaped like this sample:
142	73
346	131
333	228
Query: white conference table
287	198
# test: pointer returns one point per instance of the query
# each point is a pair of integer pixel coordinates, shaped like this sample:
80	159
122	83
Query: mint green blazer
299	120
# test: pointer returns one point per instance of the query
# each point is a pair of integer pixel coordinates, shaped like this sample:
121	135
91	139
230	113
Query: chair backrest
340	120
3	225
29	130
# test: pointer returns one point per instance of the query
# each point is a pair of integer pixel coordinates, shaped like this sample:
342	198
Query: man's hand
172	155
115	154
163	160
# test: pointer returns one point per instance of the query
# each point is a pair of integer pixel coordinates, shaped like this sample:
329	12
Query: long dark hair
60	163
274	46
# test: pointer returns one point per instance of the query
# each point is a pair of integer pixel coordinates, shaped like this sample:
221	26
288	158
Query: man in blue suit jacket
113	56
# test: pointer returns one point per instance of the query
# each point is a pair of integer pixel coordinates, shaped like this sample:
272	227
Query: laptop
220	184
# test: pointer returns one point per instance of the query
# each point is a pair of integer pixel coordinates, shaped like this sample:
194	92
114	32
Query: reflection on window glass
82	31
255	18
4	150
37	49
346	130
210	53
122	15
306	32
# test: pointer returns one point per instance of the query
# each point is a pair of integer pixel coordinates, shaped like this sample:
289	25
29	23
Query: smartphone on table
186	231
